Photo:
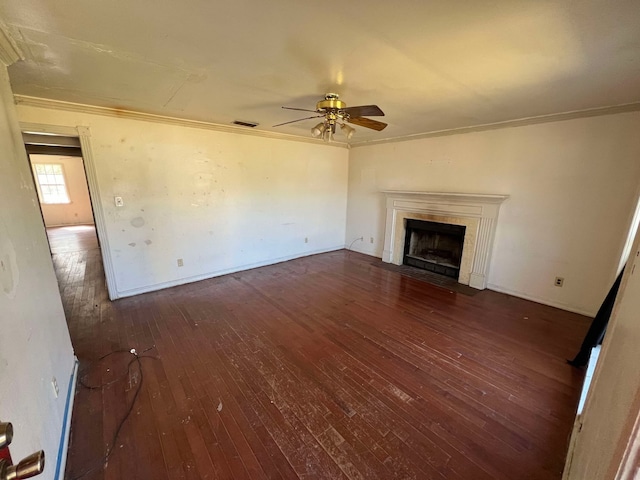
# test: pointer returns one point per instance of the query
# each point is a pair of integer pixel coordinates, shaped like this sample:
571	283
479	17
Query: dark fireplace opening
433	246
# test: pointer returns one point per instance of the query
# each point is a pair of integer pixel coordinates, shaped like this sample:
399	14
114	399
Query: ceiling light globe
347	130
318	130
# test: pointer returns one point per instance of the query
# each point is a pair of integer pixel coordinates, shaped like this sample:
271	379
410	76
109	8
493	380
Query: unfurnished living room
338	240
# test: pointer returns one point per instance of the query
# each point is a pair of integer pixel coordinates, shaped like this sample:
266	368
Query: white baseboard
218	273
81	224
543	301
369	252
61	461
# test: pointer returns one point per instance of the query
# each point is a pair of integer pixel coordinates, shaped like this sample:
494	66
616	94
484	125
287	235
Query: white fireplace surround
478	212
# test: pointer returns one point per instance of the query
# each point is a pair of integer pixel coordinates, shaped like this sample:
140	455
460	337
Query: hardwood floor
321	367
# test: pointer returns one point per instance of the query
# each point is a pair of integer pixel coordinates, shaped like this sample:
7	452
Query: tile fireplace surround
477	212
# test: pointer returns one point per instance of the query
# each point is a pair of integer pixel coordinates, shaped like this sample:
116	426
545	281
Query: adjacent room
350	240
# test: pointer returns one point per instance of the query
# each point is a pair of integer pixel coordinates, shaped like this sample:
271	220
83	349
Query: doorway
60	178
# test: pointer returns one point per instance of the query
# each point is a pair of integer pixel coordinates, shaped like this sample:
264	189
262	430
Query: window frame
41	195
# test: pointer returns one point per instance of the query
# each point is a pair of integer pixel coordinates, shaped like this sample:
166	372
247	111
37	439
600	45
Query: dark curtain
598	327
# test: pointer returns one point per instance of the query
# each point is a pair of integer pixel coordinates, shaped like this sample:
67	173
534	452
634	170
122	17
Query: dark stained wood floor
321	367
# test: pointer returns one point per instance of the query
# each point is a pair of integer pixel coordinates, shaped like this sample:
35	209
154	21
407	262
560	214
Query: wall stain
148	242
137	222
6	275
9	273
132	244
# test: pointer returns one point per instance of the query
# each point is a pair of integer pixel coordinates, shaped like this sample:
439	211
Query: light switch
118	201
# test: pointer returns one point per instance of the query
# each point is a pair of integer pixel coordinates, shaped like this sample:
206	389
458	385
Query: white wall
34	345
219	201
572	184
78	211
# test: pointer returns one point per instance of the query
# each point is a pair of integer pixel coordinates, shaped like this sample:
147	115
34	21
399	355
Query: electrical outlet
371	240
306	239
559	281
54	384
118	201
180	262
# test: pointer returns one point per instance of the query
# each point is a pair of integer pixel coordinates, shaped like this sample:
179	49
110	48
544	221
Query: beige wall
572	188
34	345
78	211
219	201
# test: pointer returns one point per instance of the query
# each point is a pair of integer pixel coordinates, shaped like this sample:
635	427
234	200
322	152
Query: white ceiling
430	65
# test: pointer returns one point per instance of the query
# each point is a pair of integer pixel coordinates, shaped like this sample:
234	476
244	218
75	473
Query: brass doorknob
26	468
6	434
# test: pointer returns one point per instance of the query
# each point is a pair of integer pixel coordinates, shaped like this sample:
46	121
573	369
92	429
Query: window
51	184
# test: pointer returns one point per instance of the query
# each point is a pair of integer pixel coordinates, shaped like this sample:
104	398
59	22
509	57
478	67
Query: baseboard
61	461
219	273
368	252
82	224
543	301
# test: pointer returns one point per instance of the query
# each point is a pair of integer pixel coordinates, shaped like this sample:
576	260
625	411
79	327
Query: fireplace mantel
454	197
478	212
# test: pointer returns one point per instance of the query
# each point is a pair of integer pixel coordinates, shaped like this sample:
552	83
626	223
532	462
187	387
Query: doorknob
25	468
6	434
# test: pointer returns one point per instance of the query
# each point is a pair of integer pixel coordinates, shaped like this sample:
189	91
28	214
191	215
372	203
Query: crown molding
9	51
38	102
554	117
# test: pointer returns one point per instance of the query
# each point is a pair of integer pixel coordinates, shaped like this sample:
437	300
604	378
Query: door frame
84	135
625	456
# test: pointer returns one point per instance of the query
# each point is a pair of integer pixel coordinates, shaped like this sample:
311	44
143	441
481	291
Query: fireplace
476	213
433	246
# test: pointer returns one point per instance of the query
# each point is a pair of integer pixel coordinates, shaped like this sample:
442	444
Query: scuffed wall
34	344
219	202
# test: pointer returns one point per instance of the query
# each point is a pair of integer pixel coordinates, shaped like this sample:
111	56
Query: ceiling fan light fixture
318	130
336	112
347	130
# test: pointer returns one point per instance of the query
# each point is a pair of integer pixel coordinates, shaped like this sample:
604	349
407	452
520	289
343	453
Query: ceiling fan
336	112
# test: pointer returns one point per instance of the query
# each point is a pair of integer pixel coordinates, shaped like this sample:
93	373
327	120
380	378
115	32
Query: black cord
103	385
136	359
351	245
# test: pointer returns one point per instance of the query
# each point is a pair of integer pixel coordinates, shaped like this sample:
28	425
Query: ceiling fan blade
299	120
364	111
299	109
368	123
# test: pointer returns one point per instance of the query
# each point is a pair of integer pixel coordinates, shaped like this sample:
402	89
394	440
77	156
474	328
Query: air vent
245	124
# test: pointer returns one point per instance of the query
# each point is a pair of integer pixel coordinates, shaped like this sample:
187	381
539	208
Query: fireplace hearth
436	247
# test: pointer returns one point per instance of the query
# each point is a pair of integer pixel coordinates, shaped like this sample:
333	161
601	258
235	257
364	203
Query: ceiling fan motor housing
330	102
